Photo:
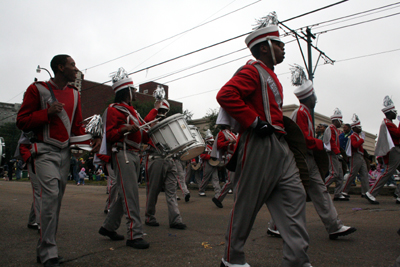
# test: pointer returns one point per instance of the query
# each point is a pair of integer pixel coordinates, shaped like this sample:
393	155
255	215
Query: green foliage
211	117
11	134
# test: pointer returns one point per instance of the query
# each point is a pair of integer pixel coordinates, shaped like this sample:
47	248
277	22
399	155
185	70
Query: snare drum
171	135
196	148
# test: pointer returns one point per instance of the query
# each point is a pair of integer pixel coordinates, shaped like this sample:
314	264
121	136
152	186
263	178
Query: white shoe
274	233
371	198
230	191
392	185
227	264
344	230
202	194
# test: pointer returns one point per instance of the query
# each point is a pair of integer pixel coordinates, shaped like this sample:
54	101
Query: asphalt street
375	243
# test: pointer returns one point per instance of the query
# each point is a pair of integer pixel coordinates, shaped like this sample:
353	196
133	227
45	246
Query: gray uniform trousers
320	198
266	173
34	215
335	174
113	188
227	186
52	168
180	167
128	196
161	173
210	172
357	165
394	161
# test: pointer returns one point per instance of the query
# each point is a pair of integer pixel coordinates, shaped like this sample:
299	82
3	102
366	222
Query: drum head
192	152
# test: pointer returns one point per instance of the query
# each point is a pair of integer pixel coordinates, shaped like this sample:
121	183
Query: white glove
398	118
362	135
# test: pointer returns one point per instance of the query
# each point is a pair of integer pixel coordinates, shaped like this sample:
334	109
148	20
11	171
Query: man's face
69	70
337	123
279	50
346	129
356	129
133	93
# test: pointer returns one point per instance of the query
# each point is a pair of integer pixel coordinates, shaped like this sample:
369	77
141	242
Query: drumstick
144	125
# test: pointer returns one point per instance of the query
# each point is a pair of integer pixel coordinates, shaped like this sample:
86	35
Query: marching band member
124	137
209	171
332	146
316	190
355	153
265	169
161	172
52	111
180	166
388	146
226	143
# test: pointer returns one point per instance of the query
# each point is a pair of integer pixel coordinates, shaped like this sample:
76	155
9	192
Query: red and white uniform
304	120
256	182
331	140
392	157
32	115
51	154
357	164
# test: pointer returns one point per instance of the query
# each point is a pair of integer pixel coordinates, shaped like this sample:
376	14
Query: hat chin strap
272	51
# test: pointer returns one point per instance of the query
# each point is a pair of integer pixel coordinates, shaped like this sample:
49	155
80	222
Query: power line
210	46
173	36
316	10
358	23
348	16
193	66
280	74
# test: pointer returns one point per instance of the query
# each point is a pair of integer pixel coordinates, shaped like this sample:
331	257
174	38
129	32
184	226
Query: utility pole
309	69
308	36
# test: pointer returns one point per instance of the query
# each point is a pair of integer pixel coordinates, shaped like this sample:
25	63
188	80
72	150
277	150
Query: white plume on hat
388	104
266	29
120	80
356	121
337	114
305	87
209	136
159	93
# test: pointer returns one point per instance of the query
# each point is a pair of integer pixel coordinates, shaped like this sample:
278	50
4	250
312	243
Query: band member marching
355	153
388	146
210	172
332	146
316	190
124	137
161	172
225	146
52	112
265	169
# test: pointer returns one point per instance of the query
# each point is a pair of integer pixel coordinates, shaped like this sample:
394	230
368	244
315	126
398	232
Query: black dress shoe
187	197
33	226
217	202
60	259
152	223
111	234
180	226
341	198
139	243
51	263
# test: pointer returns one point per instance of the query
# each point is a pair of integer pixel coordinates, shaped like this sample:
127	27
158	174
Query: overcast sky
94	32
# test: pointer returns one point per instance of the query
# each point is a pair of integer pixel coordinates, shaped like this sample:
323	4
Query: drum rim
165	122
